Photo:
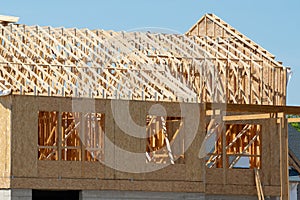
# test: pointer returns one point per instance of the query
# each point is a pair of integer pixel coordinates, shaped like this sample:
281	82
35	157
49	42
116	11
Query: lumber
136	65
8	19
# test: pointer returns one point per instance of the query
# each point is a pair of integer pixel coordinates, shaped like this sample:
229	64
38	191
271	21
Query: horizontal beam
246	117
254	108
293	120
8	19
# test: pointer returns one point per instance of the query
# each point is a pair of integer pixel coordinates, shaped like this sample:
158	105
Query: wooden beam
8	19
255	108
293	120
294	161
246	117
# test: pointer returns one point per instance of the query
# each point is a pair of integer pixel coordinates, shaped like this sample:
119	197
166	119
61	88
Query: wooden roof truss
262	78
222	66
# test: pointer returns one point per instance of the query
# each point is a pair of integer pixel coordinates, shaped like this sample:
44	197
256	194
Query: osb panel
230	189
240	177
170	172
171	109
195	166
65	183
5	136
70	169
56	169
94	184
82	175
48	169
240	190
275	152
45	103
82	105
266	164
127	142
214	176
272	190
24	140
284	160
65	104
100	105
127	164
92	170
139	121
109	148
48	104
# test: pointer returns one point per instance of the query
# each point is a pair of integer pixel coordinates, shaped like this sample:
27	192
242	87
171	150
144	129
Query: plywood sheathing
122	185
127	118
24	142
5	138
284	164
95	175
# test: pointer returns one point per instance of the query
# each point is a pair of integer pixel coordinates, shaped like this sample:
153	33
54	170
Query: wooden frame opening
71	136
165	139
234	146
48	135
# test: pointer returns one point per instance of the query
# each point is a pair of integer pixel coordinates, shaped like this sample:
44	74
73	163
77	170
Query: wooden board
5	138
8	19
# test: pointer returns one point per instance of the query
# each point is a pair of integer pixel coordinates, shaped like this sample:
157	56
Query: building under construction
95	114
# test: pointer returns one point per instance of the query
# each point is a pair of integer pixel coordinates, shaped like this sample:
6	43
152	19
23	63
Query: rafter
214	65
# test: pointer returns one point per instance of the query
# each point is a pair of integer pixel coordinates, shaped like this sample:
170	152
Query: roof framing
199	66
249	56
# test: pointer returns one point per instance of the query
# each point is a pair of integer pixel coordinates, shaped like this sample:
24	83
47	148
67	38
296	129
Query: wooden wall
5	137
192	176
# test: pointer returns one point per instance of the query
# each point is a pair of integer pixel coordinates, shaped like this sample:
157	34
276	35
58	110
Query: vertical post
284	85
116	94
34	90
284	174
76	93
249	84
143	95
129	95
59	134
224	159
261	86
49	91
90	93
274	85
82	131
205	25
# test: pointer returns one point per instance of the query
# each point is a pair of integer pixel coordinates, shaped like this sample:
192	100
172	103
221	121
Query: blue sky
273	24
